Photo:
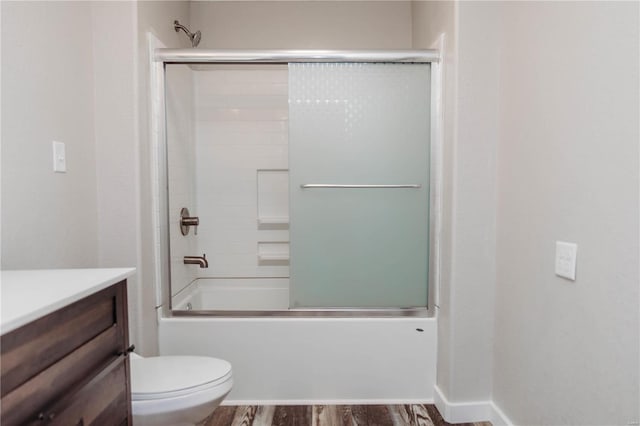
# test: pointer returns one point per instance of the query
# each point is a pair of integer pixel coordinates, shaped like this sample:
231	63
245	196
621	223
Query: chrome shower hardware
194	37
197	260
186	221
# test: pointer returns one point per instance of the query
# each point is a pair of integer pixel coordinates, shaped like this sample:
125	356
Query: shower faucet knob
187	221
190	221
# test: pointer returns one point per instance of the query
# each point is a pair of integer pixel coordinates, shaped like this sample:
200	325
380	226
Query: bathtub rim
309	313
323	312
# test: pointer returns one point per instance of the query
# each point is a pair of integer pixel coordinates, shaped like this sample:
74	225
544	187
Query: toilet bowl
177	390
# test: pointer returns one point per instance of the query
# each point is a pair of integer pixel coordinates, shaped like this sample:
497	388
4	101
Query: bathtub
302	359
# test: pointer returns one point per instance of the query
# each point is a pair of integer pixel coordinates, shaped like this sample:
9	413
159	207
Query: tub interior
233	294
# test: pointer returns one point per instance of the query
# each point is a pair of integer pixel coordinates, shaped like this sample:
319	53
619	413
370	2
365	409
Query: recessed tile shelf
273	253
273	256
273	220
273	198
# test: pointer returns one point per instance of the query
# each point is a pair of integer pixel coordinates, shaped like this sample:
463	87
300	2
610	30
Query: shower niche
310	182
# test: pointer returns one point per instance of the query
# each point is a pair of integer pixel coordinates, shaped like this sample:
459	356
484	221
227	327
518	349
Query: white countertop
28	295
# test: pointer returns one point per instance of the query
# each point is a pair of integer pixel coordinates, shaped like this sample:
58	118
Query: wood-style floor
330	415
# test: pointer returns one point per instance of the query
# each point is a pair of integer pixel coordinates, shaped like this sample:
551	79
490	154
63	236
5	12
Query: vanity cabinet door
102	401
62	354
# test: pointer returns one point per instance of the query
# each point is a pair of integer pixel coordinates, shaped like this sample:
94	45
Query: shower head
194	37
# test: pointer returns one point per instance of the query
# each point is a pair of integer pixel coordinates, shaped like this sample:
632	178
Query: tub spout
197	260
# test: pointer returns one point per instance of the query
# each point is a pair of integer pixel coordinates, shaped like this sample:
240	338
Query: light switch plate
566	254
59	157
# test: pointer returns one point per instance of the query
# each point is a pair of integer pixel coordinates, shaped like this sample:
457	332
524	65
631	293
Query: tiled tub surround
230	157
241	146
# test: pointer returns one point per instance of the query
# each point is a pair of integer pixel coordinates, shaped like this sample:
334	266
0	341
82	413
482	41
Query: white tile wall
241	126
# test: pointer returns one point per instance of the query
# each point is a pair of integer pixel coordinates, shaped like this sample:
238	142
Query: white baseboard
498	418
467	412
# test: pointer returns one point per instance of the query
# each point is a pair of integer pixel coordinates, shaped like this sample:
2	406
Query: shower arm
194	37
178	26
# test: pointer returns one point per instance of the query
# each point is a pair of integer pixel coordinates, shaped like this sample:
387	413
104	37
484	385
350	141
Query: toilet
177	390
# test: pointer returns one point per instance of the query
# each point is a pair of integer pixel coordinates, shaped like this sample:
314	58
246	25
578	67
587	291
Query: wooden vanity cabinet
70	367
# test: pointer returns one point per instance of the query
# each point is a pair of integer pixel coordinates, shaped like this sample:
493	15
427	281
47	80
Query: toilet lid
169	376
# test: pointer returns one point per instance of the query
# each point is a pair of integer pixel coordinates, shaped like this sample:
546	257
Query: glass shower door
359	185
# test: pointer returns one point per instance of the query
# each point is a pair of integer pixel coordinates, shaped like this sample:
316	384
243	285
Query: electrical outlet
566	254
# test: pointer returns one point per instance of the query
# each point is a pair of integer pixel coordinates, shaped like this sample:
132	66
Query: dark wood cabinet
70	367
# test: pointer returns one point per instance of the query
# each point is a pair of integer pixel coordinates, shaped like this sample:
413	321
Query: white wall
48	219
431	21
468	238
114	31
544	147
116	144
474	207
302	24
568	352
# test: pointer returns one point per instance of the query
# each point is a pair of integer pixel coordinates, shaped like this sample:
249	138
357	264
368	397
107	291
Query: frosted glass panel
359	124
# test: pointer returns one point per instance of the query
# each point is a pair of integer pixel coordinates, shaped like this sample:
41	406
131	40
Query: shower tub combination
316	288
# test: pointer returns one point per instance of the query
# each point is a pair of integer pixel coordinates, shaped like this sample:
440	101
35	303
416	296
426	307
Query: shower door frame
161	56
